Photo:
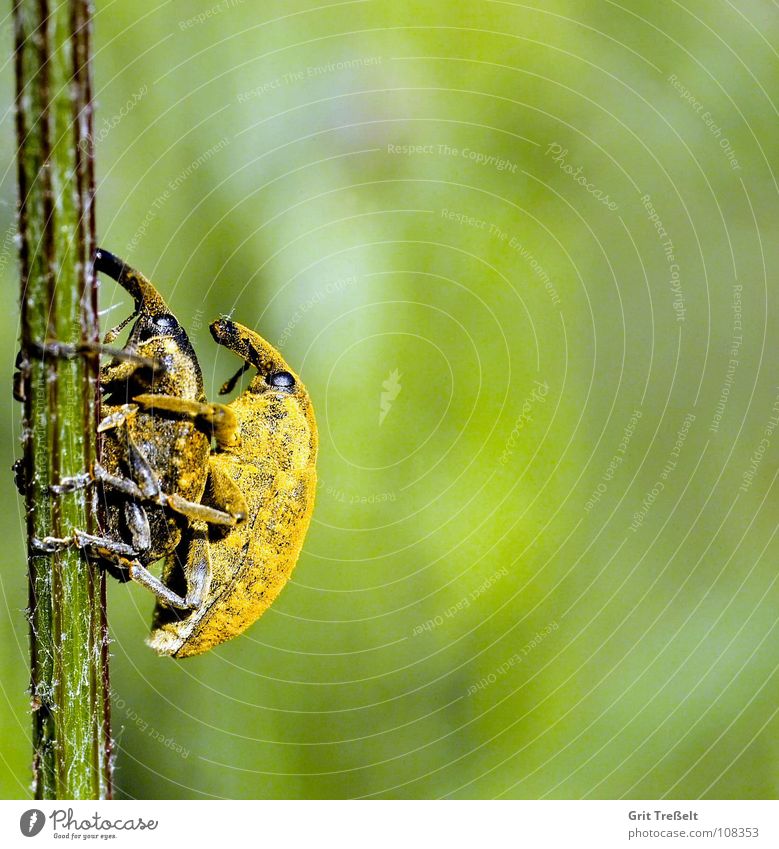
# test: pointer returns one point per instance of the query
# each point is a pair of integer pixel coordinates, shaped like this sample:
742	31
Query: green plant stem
69	655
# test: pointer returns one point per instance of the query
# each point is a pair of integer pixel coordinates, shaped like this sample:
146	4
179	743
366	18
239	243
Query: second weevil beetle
155	463
225	578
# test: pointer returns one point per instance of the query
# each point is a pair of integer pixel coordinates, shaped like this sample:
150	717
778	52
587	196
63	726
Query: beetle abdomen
249	565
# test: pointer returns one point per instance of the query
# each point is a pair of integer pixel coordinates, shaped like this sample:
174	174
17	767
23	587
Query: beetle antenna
115	331
229	385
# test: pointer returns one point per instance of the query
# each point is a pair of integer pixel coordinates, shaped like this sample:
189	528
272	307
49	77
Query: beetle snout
248	345
147	299
226	332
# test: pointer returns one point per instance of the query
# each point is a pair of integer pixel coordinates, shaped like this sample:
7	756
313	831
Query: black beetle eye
159	325
164	323
281	380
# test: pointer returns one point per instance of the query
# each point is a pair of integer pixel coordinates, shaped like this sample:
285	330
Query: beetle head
156	333
275	414
273	372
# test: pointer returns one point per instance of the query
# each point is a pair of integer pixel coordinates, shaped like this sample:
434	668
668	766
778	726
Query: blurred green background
543	561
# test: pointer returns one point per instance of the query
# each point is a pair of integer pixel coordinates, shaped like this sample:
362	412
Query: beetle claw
71	484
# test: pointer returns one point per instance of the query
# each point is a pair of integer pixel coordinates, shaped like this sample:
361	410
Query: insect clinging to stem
228	522
154	465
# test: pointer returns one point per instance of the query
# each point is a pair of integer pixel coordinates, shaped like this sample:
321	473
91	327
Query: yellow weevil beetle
154	464
225	578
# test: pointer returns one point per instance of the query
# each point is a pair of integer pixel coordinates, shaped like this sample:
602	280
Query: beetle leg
122	555
197	512
119	418
138	525
50	545
127	361
142	484
190	509
67	351
118	484
141	575
223	492
234	506
71	484
197	569
104	547
141	471
229	504
114	482
109	549
219	419
124	370
145	487
143	474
